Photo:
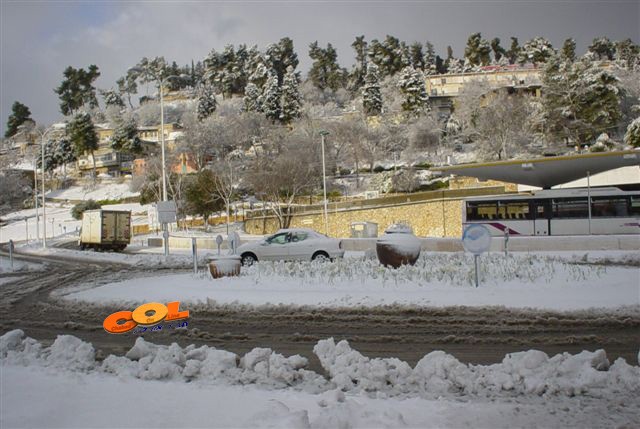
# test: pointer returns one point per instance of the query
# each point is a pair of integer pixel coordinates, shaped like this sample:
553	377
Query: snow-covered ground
59	221
169	386
519	281
103	191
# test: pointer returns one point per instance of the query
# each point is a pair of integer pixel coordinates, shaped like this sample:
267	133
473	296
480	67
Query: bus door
541	217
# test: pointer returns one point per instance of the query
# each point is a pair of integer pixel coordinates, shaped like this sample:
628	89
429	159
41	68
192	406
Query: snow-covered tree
83	136
291	102
627	54
112	97
270	99
568	52
430	60
325	71
279	56
251	100
514	51
632	136
411	84
581	100
602	48
537	51
19	115
478	50
64	152
125	137
498	51
357	74
371	94
391	55
206	101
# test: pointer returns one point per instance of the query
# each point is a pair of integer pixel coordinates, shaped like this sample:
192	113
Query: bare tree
290	172
206	140
498	121
225	182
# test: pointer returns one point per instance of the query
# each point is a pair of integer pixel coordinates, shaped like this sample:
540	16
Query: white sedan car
299	244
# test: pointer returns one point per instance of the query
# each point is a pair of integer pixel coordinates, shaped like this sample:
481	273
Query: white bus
557	212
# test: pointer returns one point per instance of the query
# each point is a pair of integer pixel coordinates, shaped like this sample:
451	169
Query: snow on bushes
436	374
454	268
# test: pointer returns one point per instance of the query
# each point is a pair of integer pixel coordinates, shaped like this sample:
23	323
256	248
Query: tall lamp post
161	81
324	133
44	209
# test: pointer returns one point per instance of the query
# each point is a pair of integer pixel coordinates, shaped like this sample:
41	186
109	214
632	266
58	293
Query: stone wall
434	218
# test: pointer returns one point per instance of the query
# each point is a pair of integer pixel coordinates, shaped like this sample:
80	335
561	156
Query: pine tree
416	56
371	94
291	102
50	159
77	90
430	59
498	51
627	54
251	98
569	50
603	48
356	77
411	85
279	56
581	100
64	152
19	115
537	51
325	71
632	136
206	101
125	137
514	51
477	51
112	98
270	99
128	85
83	136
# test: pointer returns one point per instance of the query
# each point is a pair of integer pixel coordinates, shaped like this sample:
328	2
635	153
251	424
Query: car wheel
320	257
249	259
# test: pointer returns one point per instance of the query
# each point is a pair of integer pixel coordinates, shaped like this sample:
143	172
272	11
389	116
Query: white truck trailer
105	230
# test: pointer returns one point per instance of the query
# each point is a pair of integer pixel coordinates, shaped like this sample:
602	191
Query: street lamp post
324	184
161	81
44	209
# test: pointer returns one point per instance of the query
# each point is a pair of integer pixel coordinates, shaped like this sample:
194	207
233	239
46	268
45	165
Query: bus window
634	207
570	208
518	210
481	210
609	207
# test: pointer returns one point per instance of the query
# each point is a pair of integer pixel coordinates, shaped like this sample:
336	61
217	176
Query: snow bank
437	374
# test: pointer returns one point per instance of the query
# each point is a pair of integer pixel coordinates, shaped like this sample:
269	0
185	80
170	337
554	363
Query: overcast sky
40	38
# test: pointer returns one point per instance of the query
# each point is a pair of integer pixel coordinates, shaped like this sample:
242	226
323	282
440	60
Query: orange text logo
147	314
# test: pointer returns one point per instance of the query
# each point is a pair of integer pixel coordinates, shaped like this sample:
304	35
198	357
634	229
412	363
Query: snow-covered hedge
449	268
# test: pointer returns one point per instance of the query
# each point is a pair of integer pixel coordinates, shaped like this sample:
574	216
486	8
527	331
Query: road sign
476	239
166	211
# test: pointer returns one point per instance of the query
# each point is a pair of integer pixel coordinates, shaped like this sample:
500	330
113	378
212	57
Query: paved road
471	334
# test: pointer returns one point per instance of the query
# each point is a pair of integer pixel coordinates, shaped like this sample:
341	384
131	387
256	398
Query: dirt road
475	335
